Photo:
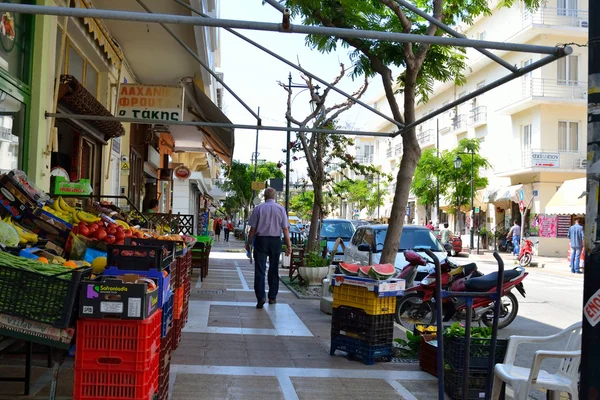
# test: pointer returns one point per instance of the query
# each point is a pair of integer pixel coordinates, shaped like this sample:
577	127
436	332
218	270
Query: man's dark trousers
266	247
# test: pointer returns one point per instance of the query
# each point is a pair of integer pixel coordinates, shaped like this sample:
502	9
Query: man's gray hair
270	193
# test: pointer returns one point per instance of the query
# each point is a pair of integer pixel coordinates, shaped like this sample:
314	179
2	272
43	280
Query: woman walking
218	226
227	228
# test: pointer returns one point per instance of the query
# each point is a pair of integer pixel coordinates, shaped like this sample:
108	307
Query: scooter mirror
414	258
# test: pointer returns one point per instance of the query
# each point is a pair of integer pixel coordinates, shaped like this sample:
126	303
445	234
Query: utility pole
287	155
437	178
255	159
378	198
590	352
472	244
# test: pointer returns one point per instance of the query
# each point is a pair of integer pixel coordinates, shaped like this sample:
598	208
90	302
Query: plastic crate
454	353
164	282
357	348
453	384
43	298
138	258
170	245
167	315
177	328
179	266
374	330
124	345
371	338
361	298
164	372
428	355
105	383
178	304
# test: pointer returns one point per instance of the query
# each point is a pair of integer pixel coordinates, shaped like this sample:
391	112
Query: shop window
16	43
11	132
568	136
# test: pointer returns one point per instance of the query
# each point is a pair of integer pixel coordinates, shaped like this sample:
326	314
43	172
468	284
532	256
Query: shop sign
163	103
546	160
592	309
258	185
182	172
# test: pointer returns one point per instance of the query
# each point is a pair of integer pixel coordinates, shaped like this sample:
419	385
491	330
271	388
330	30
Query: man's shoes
272	301
261	303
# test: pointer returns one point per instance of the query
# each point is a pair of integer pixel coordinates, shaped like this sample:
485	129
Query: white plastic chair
522	380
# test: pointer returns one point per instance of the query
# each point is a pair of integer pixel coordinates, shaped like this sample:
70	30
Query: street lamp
458	165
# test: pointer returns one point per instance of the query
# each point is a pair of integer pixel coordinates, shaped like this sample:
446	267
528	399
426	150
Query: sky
254	76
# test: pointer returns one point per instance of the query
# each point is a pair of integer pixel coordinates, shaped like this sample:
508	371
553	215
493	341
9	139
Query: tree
302	204
427	175
421	65
322	151
238	183
362	193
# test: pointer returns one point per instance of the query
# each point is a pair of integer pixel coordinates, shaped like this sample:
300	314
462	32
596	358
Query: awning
77	99
221	140
503	196
569	199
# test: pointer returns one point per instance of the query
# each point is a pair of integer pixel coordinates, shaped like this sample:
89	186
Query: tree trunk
408	165
313	235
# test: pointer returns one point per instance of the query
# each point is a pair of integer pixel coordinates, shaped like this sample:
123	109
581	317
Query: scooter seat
469	268
489	281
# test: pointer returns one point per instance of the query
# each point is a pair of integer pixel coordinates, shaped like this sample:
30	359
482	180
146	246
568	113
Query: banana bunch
62	210
25	236
122	223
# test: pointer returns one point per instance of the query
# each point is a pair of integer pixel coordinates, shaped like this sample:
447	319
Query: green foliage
302	204
313	259
238	184
456	184
409	348
363	192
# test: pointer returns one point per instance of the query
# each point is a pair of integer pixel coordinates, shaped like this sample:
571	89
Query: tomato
75	229
93	225
128	233
100	234
111	231
120	228
84	230
139	235
120	242
120	235
83	223
110	239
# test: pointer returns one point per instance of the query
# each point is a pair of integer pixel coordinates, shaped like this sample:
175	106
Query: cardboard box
389	288
13	200
121	298
62	187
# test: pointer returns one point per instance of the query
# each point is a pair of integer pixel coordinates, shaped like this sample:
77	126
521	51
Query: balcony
459	124
537	160
556	17
398	149
389	153
478	116
529	92
426	138
364	159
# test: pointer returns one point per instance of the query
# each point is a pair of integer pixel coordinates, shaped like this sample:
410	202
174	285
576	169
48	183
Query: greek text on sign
164	103
592	309
547	160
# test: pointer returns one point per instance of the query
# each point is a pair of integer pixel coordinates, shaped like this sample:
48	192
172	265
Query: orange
43	260
70	264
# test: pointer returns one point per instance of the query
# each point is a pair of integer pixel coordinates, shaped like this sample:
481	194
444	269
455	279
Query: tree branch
438	13
347	104
406	25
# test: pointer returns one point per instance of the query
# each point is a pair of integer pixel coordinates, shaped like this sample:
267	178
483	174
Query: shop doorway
12	132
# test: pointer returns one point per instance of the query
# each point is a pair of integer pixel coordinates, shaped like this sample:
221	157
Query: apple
120	228
139	235
128	233
84	230
110	239
83	223
111	231
93	226
120	242
75	229
100	234
120	235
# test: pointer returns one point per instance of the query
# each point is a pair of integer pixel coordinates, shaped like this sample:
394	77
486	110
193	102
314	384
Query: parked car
414	237
455	242
331	230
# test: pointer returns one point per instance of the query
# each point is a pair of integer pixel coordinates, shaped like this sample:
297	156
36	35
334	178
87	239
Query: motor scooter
417	305
506	245
409	272
526	253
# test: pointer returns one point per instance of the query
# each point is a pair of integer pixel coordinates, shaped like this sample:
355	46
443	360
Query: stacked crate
362	323
117	359
182	293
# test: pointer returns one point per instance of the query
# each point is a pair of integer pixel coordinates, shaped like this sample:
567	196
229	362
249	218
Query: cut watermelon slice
382	272
364	271
349	269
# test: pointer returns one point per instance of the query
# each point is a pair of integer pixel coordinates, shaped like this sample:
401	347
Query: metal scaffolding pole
212	124
296	67
273	27
276	5
202	63
522	71
454	33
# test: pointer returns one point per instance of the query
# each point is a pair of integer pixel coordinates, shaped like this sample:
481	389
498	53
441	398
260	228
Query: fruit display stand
362	322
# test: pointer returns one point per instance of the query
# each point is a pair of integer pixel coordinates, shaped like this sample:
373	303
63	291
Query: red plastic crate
163	377
178	304
106	383
124	344
177	327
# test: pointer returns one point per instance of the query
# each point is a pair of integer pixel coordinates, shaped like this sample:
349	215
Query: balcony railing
426	137
398	149
547	159
550	88
459	122
6	135
364	159
478	115
556	17
389	152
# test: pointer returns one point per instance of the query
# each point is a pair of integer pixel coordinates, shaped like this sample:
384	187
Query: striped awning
101	35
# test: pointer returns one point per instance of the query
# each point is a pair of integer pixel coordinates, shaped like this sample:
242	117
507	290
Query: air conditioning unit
583	23
583	163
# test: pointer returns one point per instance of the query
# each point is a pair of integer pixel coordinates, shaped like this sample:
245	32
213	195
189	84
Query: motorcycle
506	245
417	305
526	253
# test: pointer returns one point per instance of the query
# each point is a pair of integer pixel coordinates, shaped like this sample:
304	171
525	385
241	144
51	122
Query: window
77	65
480	84
566	8
568	136
526	137
481	35
568	70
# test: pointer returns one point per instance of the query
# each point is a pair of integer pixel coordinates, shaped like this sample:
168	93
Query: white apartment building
542	114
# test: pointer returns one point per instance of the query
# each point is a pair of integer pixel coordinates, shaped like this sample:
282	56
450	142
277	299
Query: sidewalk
231	350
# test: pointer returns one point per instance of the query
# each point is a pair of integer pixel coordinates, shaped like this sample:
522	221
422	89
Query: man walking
445	234
515	232
576	237
267	222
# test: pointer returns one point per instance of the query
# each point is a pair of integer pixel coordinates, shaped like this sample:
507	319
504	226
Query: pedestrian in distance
267	222
430	226
227	228
445	234
515	232
576	238
218	226
211	227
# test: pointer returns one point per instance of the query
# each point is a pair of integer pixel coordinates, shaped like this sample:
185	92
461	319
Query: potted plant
483	234
315	268
285	260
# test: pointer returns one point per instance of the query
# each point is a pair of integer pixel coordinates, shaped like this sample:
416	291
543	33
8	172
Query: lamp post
458	165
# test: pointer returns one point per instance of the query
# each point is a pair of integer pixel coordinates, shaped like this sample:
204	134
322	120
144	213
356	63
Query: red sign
182	172
592	309
521	206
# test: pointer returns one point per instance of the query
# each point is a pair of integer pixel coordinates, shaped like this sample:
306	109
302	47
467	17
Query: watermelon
349	269
382	272
363	272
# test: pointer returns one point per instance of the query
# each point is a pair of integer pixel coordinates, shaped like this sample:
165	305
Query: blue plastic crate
164	283
358	348
167	315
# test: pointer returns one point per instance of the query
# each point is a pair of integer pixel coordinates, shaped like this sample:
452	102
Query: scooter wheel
525	260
